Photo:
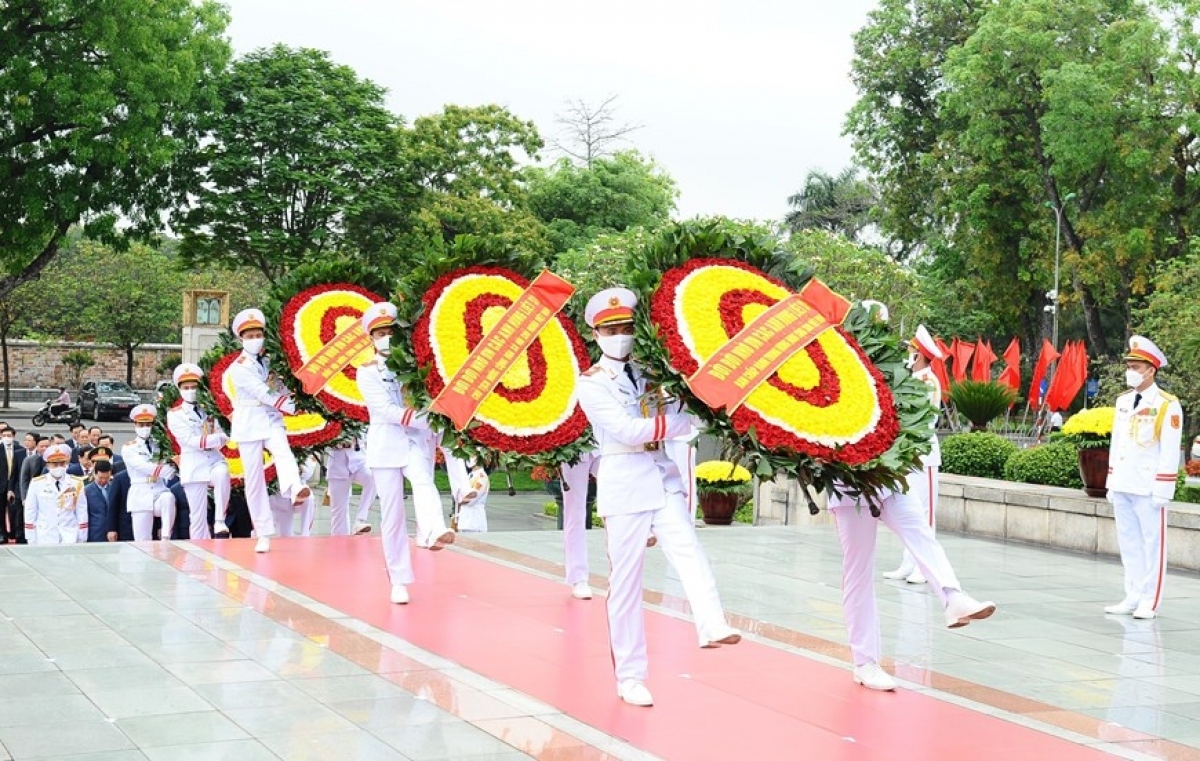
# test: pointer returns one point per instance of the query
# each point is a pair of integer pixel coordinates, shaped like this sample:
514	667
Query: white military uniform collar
616	369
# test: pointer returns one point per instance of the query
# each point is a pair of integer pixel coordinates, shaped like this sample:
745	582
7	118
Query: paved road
19	414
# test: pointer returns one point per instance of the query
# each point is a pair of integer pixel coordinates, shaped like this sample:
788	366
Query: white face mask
383	344
253	345
616	347
1133	378
143	432
188	394
57	472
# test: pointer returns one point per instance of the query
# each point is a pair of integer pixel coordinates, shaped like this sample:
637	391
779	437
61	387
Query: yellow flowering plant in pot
1090	431
721	487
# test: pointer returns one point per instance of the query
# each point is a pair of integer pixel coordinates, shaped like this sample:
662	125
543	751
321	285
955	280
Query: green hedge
976	454
1048	464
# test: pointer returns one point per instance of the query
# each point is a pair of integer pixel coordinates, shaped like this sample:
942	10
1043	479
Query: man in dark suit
11	458
100	494
83	467
120	524
118	464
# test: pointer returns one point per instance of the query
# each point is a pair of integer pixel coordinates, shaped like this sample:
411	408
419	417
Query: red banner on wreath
495	355
752	356
332	358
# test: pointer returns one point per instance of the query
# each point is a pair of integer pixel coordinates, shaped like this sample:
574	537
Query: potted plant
722	487
1090	431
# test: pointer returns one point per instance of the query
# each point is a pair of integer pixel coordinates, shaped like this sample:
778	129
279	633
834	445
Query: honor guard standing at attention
1143	462
149	496
201	463
399	446
640	491
55	508
259	404
923	483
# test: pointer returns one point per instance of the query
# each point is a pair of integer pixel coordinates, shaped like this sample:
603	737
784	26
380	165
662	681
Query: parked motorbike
68	416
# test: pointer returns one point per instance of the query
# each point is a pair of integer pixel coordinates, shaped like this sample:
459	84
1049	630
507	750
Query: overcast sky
739	98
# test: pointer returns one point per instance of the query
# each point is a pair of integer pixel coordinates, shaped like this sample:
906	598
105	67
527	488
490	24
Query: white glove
288	407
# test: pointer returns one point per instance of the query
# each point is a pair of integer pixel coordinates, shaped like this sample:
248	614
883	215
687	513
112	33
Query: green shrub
1184	493
981	402
976	454
1048	464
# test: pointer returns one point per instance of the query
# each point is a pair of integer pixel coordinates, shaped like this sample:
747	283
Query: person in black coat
12	456
100	494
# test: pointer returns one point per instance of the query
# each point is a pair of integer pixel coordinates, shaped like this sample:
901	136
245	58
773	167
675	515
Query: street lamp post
1052	296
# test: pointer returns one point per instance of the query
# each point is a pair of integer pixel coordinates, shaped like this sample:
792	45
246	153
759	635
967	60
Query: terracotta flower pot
718	508
1093	469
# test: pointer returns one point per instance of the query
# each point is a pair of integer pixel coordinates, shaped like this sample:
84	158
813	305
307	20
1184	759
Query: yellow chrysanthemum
719	471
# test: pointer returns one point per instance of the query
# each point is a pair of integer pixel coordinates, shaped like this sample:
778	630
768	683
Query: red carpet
744	702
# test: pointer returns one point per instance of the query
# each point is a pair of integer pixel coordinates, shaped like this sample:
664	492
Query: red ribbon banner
503	345
333	358
760	348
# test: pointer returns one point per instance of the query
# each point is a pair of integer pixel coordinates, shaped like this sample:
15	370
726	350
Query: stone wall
39	365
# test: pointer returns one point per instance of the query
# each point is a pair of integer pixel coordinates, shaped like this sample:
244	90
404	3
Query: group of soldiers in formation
643	463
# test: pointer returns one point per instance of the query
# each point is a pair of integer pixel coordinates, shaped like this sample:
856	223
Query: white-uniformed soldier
857	529
201	463
1143	460
348	466
640	491
257	423
923	483
55	508
149	496
399	446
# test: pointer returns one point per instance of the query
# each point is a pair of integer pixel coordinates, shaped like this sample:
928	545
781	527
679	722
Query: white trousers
284	511
393	519
339	501
143	520
286	471
1142	539
923	486
197	497
676	532
857	533
574	496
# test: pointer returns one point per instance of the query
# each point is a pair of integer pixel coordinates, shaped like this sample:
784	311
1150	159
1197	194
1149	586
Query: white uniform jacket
346	461
256	408
56	515
1143	458
199	450
934	458
147	477
394	428
614	407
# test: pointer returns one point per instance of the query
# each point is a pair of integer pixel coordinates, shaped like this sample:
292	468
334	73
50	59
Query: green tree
840	204
1171	318
601	263
296	146
610	194
449	174
91	294
98	100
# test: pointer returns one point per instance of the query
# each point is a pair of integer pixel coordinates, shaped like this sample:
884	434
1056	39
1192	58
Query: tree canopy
97	104
296	147
840	204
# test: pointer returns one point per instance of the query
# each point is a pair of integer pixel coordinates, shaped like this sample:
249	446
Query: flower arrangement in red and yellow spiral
533	409
312	318
841	414
828	401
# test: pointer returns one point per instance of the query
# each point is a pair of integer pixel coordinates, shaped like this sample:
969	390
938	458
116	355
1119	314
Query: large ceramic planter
1093	469
718	508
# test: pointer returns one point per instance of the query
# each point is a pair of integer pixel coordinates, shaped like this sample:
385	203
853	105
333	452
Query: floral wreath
842	414
532	413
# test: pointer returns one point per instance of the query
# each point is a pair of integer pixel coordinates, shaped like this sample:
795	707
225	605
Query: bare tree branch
590	132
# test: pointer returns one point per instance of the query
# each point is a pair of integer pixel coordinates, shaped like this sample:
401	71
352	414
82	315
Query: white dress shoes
581	591
725	636
263	544
962	609
1123	608
362	528
1145	612
915	578
873	677
634	692
903	572
220	530
399	594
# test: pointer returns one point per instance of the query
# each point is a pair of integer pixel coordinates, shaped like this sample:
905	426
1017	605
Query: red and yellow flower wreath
828	401
533	410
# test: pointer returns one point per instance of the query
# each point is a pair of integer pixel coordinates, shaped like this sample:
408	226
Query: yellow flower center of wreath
852	416
307	333
448	331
